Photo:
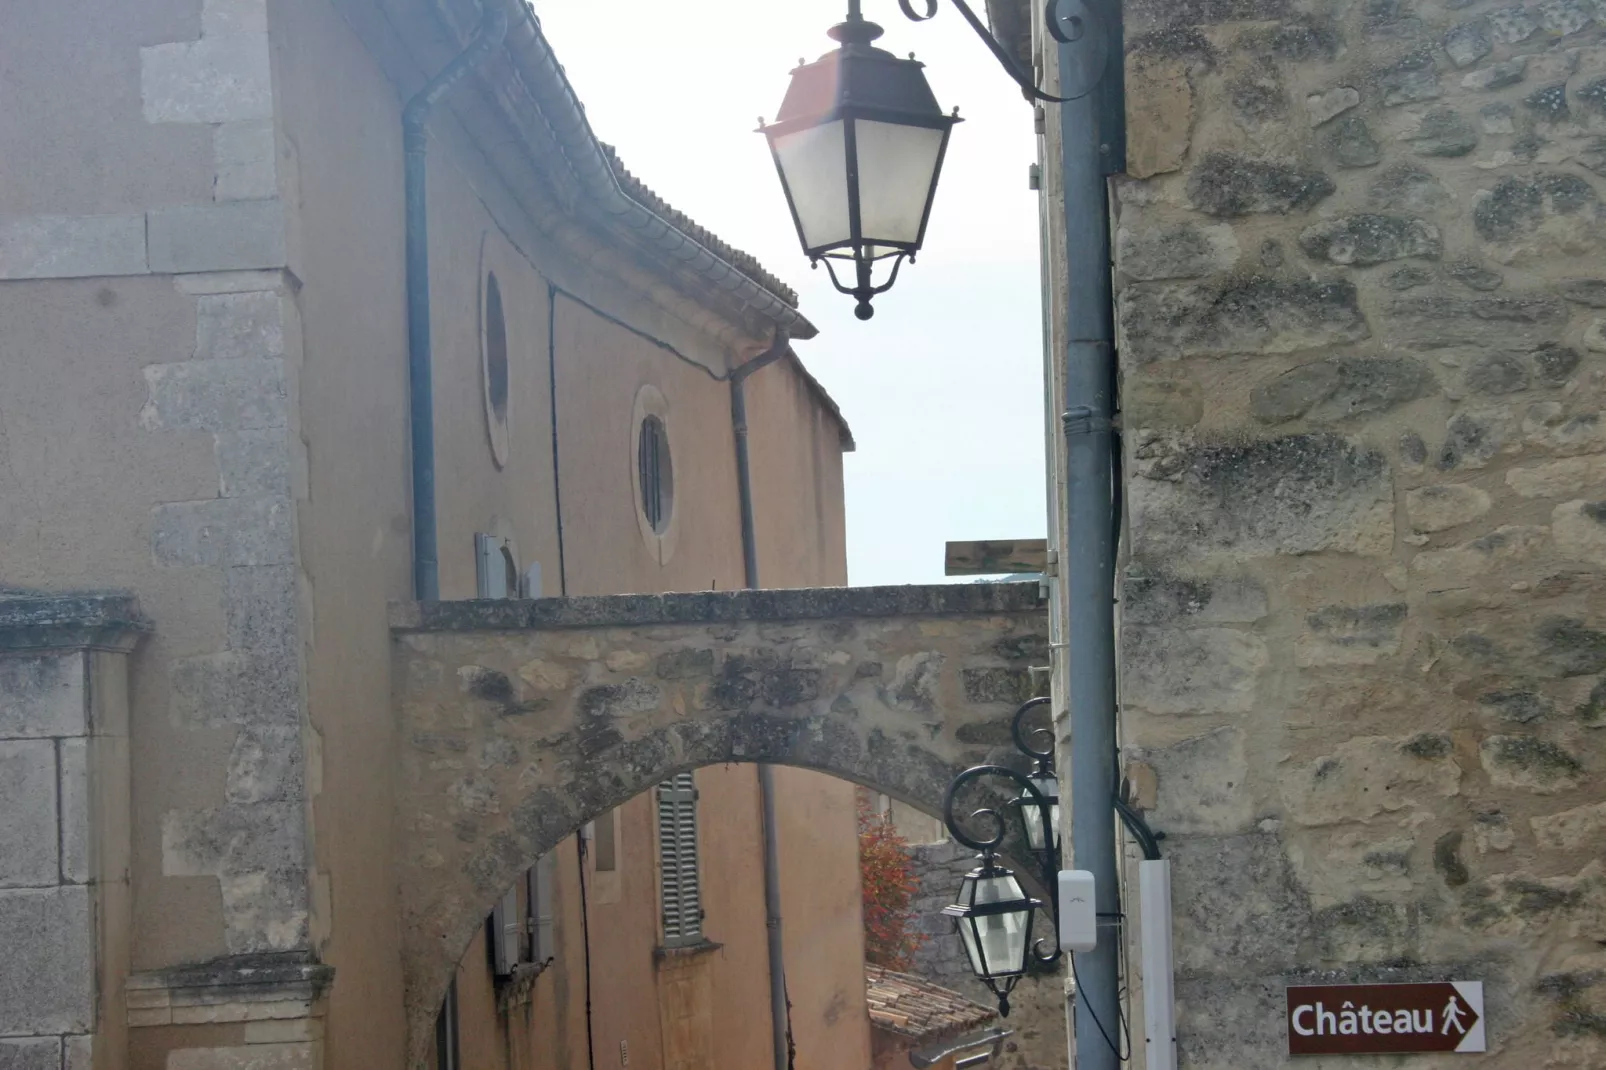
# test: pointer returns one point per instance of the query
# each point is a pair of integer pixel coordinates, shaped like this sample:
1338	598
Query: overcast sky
943	388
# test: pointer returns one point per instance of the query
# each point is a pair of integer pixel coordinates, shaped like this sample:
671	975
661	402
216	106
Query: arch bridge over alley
519	721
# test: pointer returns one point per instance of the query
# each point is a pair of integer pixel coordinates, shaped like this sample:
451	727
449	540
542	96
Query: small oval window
495	348
657	474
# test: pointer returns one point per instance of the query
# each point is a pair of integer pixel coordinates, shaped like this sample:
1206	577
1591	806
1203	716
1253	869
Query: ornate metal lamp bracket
1070	22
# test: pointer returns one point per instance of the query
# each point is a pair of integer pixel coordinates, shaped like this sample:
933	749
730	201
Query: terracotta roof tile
913	1007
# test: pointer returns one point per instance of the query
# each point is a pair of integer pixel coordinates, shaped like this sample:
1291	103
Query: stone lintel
42	621
234	988
715	607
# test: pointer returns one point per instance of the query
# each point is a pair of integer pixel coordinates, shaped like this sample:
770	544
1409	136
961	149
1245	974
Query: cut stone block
232	236
42	696
47	974
28	837
214	80
72	247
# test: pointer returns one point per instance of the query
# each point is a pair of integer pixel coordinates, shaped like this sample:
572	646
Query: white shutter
490	567
680	886
505	935
543	943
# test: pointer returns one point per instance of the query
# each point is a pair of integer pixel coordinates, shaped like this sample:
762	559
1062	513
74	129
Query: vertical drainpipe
1092	148
779	1014
420	375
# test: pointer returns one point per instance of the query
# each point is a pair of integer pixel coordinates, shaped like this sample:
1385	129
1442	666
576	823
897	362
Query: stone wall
1363	634
64	836
1036	1006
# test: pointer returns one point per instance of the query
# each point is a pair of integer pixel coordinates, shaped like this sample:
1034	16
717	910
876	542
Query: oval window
657	474
493	354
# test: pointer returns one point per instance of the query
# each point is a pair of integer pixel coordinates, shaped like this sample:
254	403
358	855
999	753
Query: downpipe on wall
780	1013
420	372
1090	65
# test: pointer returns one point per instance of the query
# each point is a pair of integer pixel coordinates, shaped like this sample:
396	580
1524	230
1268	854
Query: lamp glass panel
897	176
814	162
996	943
1032	814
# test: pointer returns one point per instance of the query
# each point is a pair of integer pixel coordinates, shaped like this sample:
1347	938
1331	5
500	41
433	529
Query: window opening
495	348
657	474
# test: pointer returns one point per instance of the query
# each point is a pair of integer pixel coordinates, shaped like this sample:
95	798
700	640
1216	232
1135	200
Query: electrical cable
585	936
1091	1013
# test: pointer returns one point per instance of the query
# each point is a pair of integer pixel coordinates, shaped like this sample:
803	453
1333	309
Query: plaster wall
1357	255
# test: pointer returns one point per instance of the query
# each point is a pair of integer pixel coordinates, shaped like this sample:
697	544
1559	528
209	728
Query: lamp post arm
1075	28
1044	758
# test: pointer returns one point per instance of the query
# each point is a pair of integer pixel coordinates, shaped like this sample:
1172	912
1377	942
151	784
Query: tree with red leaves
889	887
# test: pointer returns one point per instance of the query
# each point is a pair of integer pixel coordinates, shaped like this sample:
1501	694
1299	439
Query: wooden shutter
680	887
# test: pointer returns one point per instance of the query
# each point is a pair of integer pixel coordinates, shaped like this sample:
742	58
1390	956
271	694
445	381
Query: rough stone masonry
1361	262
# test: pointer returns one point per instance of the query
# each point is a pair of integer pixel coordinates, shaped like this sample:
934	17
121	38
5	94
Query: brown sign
1385	1019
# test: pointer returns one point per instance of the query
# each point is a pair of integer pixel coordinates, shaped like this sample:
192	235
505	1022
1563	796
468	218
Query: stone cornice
31	620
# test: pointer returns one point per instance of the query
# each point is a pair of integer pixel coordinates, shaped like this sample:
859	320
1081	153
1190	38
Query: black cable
585	936
1091	1013
552	384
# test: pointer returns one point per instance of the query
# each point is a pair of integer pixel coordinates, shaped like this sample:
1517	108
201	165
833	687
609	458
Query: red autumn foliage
889	887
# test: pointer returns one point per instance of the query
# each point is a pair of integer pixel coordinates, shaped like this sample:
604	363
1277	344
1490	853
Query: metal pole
1087	561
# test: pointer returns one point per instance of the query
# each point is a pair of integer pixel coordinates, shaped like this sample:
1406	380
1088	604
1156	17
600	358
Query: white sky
943	388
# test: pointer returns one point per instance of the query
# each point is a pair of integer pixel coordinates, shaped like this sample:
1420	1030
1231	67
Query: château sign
1386	1019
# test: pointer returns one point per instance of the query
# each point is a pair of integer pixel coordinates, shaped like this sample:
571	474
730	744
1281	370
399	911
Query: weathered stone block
1512	25
28	821
224	531
1184	251
1292	495
261	607
216	395
1152	401
221	79
1445	505
1342	388
1364	929
1226	185
1505	544
1527	762
1561	478
1330	104
1412	79
47	975
1517	705
254	463
1442	320
1407	187
1589	292
1350	144
239	326
1152	597
76	833
1442	132
229	236
78	1052
1569	647
1469	42
292	1056
1159	107
1579	528
265	765
43	695
233	687
1546	213
1203	784
1242	315
1237	901
1496	373
1366	777
1370	238
30	1053
72	247
245	158
1570	829
1350	635
1191	670
1566	17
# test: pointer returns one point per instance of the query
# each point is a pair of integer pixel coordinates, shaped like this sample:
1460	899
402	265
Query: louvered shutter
505	935
677	861
543	943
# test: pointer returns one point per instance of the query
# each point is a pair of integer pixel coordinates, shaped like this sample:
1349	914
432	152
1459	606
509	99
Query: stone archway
520	721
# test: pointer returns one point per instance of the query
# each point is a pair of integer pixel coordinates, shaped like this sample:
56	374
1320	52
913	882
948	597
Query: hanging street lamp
859	142
993	914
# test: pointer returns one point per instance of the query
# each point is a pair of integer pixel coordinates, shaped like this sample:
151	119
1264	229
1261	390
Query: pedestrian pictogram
1386	1019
